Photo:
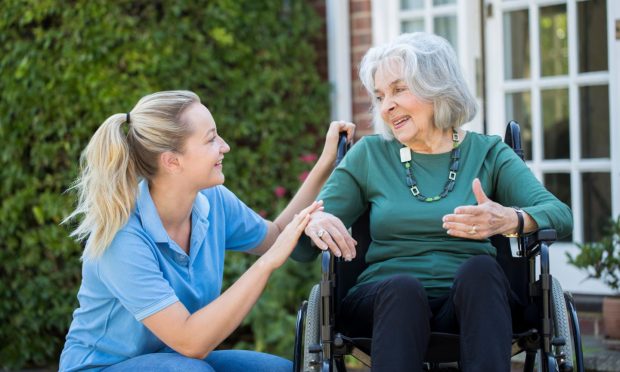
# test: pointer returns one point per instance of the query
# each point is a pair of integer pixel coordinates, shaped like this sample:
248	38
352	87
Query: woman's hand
327	231
480	221
331	139
286	241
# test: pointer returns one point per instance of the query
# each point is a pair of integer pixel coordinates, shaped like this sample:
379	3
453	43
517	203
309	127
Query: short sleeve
131	272
245	229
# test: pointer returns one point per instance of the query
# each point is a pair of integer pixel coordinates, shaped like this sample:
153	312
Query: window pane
443	2
518	108
592	34
411	4
559	185
412	25
516	45
594	108
596	204
555	124
446	27
553	40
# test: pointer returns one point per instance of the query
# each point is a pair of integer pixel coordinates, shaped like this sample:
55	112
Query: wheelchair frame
550	337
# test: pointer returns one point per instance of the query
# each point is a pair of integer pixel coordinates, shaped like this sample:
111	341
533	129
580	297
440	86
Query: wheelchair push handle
342	147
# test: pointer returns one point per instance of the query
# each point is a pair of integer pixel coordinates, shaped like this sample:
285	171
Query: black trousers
399	317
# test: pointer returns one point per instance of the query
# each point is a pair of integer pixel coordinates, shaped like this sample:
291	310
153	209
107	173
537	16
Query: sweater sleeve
517	186
344	195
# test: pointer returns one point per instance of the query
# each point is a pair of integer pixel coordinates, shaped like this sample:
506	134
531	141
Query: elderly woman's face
409	117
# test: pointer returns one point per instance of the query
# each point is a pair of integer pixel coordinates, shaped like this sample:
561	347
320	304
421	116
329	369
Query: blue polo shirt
143	271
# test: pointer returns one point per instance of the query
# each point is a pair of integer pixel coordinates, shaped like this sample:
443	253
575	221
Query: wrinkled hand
331	139
328	232
286	241
480	221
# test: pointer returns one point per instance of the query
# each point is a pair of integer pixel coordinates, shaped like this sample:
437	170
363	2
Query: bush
67	67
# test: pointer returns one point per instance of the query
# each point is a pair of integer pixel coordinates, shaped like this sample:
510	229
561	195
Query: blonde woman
157	222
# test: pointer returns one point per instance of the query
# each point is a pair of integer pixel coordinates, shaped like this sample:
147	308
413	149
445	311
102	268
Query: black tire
312	361
561	326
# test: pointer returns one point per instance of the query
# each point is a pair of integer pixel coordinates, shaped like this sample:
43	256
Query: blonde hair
430	68
113	163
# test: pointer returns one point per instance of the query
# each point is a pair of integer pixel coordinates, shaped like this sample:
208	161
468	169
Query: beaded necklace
412	183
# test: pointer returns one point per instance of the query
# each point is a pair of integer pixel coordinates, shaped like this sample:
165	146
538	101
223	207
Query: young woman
157	223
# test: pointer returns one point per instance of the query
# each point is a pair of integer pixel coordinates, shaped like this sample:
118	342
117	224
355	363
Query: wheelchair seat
543	327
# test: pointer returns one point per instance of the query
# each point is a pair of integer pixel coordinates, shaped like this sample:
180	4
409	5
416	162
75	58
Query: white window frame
497	87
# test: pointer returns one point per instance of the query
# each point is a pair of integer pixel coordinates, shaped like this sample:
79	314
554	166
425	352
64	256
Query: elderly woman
436	194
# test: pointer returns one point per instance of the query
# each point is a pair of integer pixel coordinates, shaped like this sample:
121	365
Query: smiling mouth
400	122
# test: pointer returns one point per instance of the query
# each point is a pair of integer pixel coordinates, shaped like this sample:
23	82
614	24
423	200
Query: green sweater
407	234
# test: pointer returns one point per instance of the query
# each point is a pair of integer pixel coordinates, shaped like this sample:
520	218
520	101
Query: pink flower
280	192
308	158
262	213
302	177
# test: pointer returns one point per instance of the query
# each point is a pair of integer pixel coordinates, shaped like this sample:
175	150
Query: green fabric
407	234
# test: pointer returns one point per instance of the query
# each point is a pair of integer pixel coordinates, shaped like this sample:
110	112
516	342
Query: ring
472	231
320	233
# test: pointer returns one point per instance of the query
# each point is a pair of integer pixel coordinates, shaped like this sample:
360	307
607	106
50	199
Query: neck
435	141
173	204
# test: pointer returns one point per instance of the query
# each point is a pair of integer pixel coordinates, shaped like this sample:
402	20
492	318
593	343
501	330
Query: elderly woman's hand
480	221
331	139
327	231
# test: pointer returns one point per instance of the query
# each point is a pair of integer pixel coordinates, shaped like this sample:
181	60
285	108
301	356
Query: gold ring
320	233
472	231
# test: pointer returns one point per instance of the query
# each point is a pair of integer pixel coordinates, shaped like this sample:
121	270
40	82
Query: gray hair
429	66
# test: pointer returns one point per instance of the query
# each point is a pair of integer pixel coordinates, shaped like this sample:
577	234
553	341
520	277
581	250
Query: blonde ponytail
113	162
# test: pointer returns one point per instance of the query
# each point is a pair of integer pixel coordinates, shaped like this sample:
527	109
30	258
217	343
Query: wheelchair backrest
346	273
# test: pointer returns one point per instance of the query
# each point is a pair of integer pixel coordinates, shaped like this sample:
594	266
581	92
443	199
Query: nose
224	148
387	105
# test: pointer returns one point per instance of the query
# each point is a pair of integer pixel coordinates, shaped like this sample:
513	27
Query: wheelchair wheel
312	361
561	326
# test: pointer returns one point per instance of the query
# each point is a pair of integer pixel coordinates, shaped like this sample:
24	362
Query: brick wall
361	41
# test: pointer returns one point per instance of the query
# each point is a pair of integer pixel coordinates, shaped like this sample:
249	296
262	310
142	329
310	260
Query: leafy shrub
66	66
601	259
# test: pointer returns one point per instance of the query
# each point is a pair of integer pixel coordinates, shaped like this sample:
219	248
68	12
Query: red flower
262	213
302	177
308	158
280	192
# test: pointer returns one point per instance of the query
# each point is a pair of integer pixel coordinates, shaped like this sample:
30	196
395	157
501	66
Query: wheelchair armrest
533	241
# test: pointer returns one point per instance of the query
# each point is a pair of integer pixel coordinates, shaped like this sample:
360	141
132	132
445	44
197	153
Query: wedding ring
320	233
473	230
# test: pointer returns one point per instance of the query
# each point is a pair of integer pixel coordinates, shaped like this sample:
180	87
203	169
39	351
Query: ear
169	162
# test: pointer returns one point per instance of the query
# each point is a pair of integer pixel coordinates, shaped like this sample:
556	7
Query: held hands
331	139
286	241
480	221
328	232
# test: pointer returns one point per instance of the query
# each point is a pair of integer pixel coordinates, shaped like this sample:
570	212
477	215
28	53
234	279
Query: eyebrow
395	82
212	130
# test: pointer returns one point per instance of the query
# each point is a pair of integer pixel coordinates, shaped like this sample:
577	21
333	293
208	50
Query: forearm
307	192
196	335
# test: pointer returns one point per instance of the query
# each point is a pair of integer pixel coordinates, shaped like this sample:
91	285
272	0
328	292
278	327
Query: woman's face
409	117
204	149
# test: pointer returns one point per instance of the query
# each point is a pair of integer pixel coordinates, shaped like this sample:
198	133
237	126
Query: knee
480	268
402	285
401	290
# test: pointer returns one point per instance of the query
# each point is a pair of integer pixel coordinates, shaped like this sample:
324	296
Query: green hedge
67	65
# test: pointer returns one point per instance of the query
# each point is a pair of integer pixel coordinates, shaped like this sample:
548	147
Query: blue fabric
221	360
143	271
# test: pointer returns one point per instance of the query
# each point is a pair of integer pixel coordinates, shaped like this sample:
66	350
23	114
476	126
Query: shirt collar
150	217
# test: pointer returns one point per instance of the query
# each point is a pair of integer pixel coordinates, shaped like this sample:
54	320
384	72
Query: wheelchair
547	331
